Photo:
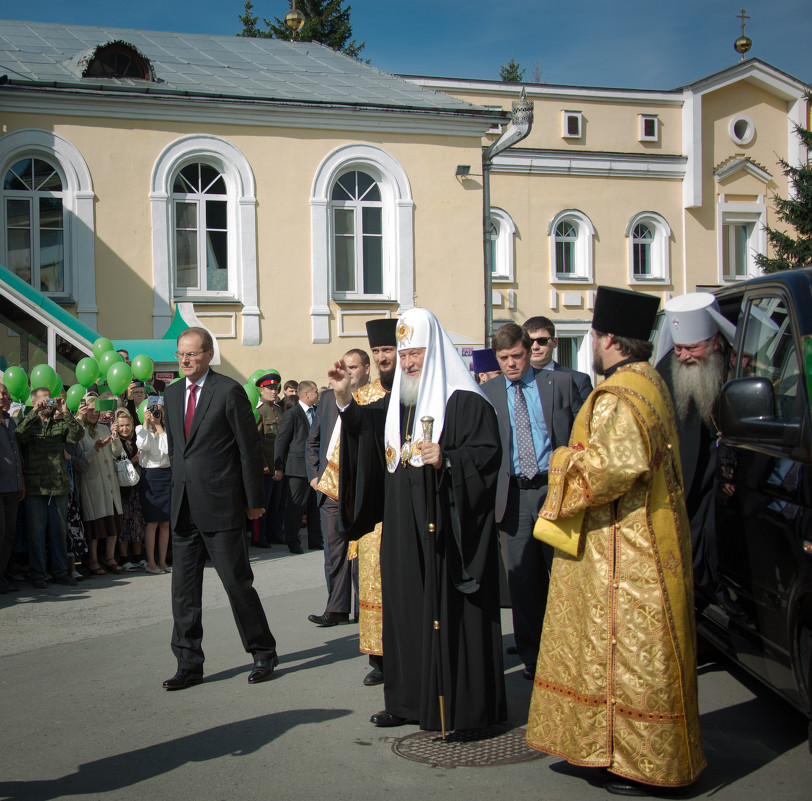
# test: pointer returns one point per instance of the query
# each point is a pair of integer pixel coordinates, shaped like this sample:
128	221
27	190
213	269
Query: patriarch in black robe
383	464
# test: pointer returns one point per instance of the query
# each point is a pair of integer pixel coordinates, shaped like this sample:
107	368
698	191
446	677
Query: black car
762	618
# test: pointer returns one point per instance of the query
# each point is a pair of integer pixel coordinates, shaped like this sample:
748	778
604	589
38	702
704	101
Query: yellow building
282	194
664	192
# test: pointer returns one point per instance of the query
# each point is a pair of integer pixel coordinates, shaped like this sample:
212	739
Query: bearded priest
387	468
616	684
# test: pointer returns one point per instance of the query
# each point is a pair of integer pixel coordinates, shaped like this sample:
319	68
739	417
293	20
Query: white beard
409	388
699	384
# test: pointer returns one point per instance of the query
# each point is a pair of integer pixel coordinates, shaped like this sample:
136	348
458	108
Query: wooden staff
430	482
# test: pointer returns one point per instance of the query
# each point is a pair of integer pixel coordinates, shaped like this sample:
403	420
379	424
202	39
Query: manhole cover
495	745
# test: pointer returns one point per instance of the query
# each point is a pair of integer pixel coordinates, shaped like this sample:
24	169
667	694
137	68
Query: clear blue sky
650	44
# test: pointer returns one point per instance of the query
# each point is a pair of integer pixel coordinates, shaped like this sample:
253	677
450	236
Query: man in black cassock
383	467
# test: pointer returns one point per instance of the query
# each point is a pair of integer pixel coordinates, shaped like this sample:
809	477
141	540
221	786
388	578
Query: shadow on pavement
116	772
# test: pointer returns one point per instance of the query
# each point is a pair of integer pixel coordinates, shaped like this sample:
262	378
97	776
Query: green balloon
42	375
252	392
87	371
142	407
75	395
142	367
174	380
56	386
107	360
102	345
16	383
119	377
256	375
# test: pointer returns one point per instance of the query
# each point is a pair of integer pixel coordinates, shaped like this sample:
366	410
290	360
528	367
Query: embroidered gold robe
368	552
615	683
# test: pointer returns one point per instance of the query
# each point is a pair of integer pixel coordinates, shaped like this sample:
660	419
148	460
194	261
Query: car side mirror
747	414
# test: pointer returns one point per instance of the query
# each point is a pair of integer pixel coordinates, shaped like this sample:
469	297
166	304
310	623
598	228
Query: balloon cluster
252	390
106	367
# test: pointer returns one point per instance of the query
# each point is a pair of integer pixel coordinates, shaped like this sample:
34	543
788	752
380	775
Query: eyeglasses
540	340
194	354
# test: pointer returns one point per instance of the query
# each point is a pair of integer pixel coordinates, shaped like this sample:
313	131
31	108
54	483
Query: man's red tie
190	410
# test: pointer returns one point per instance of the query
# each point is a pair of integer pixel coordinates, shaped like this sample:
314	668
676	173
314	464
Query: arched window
362	228
35	224
117	60
356	209
503	230
204	244
649	238
200	205
571	233
47	219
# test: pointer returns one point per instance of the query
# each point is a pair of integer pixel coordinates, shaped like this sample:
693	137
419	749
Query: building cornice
607	165
210	109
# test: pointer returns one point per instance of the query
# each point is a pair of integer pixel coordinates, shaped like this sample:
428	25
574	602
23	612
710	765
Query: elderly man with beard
384	473
694	373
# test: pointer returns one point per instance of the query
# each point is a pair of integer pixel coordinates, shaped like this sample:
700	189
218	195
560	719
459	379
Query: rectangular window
217	245
186	244
571	124
736	250
51	245
642	259
565	258
649	128
344	238
18	222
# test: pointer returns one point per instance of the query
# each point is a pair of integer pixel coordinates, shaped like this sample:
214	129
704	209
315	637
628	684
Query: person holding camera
156	483
99	491
42	435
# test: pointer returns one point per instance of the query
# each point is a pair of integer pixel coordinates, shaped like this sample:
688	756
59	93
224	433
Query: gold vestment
616	683
368	552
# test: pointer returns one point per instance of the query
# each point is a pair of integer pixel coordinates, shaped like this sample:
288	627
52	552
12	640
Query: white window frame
585	231
642	136
565	117
242	240
660	248
397	221
77	208
754	215
503	251
749	133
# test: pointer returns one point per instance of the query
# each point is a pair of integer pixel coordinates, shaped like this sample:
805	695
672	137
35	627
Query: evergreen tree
326	22
510	72
796	212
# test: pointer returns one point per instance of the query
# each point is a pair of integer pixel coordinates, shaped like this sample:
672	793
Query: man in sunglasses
541	331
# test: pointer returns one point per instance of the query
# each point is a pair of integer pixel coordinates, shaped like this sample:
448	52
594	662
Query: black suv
763	616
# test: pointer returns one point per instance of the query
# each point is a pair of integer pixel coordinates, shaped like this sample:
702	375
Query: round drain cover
495	745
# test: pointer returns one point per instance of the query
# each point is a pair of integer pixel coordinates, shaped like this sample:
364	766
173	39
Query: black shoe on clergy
373	677
330	619
183	679
263	669
385	719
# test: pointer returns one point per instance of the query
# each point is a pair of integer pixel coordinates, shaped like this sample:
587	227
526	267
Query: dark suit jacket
219	468
559	403
289	451
583	383
316	455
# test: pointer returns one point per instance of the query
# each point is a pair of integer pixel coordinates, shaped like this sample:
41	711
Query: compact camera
51	403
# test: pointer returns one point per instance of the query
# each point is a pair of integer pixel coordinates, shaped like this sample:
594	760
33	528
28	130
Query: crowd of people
435	495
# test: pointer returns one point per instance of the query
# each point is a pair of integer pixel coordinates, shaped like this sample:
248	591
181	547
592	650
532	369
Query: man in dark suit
541	331
321	454
535	410
289	460
216	460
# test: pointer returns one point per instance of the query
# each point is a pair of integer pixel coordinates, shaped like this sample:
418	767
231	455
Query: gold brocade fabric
328	483
615	682
369	593
370	617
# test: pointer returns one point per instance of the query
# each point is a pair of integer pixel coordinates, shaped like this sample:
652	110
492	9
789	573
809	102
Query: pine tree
796	212
326	22
510	72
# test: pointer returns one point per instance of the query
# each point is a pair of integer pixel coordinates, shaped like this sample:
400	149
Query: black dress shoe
528	673
373	677
512	650
620	786
183	679
385	719
295	548
263	669
262	544
330	619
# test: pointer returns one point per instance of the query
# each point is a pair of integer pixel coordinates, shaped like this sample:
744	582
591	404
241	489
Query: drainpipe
520	125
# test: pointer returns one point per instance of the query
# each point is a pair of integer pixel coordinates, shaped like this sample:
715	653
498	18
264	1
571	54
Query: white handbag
127	474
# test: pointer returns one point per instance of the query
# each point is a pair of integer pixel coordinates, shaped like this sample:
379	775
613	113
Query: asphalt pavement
83	714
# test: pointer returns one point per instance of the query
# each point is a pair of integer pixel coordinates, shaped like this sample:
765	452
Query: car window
768	351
